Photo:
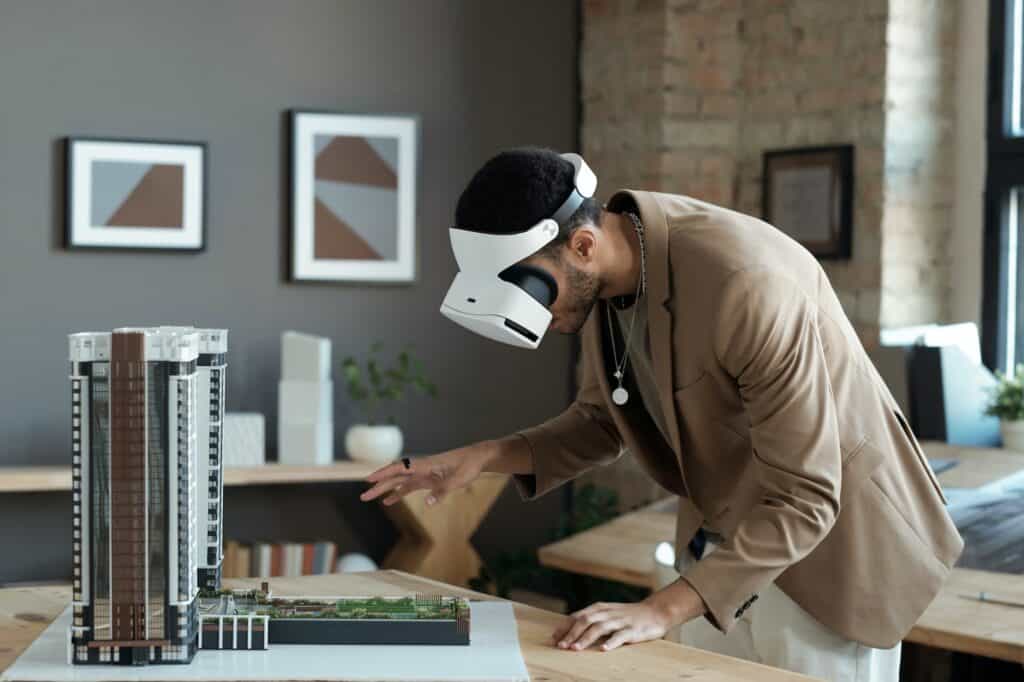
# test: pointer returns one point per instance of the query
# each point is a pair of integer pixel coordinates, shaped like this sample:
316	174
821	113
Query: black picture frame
814	208
72	243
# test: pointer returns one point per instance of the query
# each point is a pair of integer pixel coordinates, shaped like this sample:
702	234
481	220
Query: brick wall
920	150
685	95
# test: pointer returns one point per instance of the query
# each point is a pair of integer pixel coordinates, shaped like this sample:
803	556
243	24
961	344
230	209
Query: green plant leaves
1006	398
379	384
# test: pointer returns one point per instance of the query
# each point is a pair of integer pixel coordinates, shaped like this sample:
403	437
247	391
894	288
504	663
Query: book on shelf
278	559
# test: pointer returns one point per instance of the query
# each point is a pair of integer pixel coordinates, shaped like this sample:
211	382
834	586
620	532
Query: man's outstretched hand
440	474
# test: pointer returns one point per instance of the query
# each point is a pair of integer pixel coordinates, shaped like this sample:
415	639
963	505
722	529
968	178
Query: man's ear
583	243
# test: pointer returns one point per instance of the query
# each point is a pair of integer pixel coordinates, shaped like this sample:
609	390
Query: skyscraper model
143	499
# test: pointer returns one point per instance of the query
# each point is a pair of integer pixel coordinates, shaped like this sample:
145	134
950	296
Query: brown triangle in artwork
157	201
353	160
333	239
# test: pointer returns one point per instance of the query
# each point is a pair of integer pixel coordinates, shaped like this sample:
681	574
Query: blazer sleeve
767	338
580	438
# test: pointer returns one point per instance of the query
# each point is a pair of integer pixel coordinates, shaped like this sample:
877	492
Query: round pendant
620	396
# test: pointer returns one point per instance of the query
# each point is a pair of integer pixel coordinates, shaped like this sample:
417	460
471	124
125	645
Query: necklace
620	395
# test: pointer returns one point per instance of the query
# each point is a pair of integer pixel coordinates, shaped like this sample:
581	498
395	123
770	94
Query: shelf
57	478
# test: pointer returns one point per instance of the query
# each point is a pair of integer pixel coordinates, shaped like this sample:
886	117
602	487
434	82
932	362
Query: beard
584	289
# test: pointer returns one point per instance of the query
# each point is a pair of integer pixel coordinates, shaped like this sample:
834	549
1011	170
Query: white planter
1013	434
375	444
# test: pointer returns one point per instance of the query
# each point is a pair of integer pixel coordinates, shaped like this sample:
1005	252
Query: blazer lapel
659	317
657	296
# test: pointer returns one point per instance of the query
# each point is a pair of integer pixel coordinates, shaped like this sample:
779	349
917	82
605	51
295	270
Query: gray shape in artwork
112	183
387	150
372	212
320	143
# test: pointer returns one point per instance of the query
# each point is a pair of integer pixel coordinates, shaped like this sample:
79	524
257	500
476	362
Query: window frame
1004	173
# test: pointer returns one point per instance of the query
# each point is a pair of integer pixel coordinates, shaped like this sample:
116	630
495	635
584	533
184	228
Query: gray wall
480	75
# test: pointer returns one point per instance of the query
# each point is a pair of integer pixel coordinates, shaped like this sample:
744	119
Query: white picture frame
135	194
353	197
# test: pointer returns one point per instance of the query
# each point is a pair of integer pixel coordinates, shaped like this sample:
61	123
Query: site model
147	405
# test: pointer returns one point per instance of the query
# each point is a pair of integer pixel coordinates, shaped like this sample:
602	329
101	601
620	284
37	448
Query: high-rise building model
146	406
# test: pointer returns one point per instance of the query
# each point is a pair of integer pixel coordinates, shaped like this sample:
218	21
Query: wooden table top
623	550
25	612
975	467
958	623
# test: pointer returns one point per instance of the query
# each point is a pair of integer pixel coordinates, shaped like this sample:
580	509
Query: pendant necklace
620	396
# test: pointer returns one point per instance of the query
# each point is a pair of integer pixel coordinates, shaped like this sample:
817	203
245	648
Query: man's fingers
624	636
562	629
381	488
437	494
402	491
596	632
593	608
391	470
578	625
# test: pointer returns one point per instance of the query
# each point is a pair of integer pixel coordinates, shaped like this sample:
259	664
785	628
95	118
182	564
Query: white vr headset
495	297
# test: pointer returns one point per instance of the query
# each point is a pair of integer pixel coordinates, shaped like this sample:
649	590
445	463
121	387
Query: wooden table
432	542
956	623
623	550
25	612
976	467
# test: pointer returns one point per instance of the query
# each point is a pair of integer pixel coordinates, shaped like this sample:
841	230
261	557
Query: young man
716	351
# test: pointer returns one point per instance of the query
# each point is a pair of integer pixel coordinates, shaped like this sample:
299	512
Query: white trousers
775	631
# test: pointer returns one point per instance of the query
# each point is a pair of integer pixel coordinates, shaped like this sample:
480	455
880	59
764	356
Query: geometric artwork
135	194
353	197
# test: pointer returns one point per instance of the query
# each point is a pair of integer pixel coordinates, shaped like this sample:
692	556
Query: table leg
434	542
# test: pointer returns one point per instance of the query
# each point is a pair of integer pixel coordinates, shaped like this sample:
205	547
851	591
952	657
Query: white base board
493	654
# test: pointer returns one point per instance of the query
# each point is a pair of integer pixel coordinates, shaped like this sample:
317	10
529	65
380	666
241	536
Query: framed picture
808	194
353	197
135	194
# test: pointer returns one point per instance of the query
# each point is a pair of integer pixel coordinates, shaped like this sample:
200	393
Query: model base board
493	654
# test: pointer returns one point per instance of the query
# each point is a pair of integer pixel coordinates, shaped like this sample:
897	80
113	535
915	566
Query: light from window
1016	29
1013	228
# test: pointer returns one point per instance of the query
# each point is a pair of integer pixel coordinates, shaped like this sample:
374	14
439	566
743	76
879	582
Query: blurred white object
1012	432
305	401
374	444
305	444
665	554
963	335
355	563
244	439
305	357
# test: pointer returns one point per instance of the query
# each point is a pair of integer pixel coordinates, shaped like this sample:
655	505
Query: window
1003	306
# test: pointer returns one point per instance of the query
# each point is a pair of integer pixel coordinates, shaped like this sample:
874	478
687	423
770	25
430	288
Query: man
715	349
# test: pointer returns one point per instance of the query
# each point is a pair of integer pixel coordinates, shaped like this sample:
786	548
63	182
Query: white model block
305	444
305	402
244	441
305	357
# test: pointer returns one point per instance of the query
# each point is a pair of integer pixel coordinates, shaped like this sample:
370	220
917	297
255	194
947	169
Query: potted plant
372	387
1007	403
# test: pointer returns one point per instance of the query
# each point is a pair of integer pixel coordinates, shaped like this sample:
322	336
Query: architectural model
146	410
147	406
254	619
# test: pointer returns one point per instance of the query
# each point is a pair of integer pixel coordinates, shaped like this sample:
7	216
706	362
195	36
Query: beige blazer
783	437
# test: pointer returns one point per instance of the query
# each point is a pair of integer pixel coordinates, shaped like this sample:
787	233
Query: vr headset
495	296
